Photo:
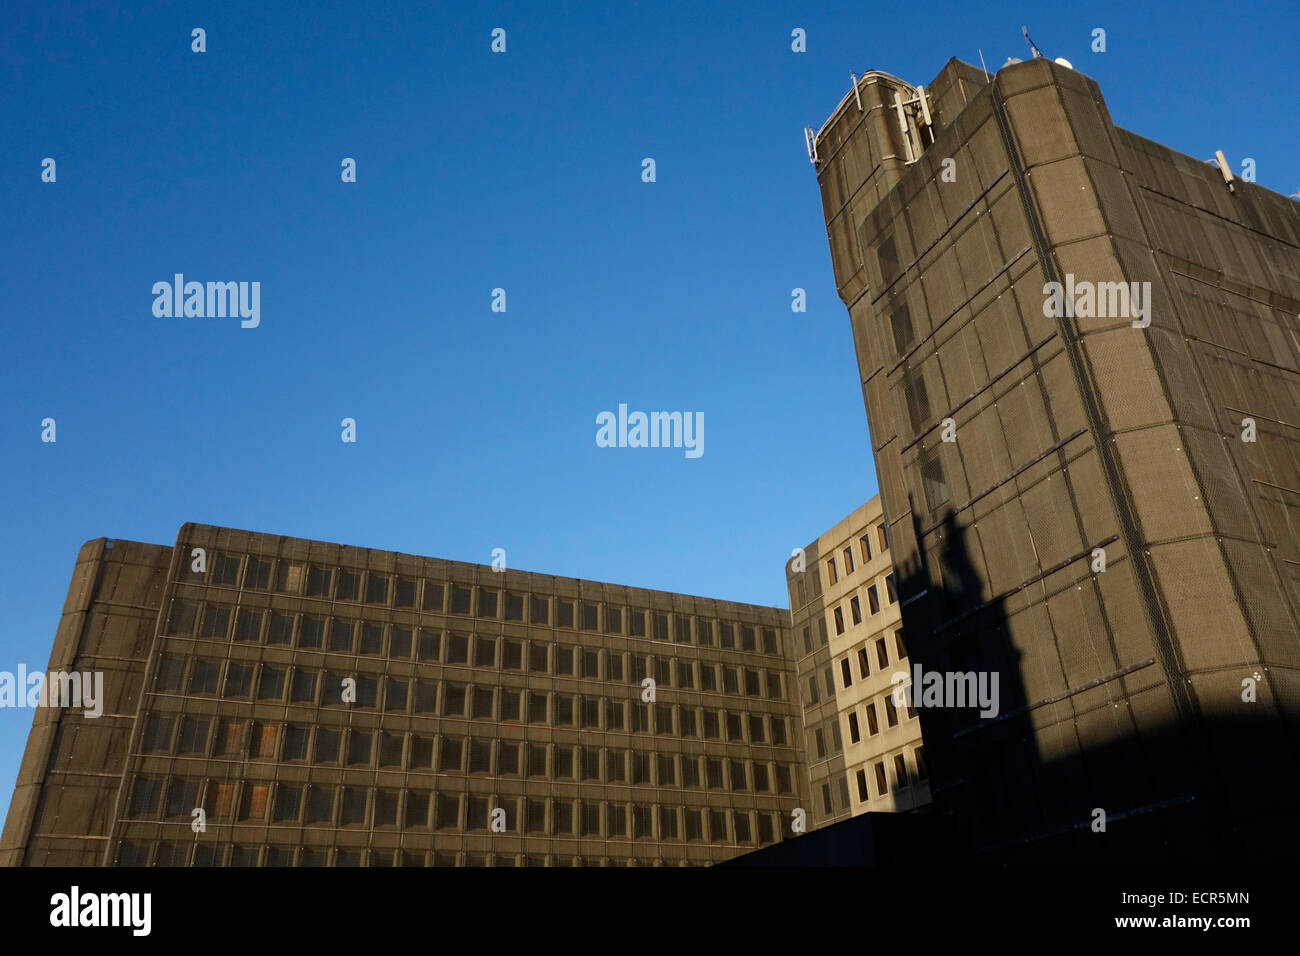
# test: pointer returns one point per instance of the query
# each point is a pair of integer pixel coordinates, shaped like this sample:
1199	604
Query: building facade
864	750
275	701
1080	361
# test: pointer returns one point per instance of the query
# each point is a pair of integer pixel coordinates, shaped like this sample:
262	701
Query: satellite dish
1064	62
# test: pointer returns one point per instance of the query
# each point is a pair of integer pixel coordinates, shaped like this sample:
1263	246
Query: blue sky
476	430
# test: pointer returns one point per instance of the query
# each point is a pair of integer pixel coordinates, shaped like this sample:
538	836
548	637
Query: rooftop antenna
1037	52
982	66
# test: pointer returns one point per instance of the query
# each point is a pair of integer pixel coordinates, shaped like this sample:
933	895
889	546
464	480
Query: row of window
435	646
292	804
361	747
879	649
864	543
398	591
830	730
864	778
135	853
311	687
855	607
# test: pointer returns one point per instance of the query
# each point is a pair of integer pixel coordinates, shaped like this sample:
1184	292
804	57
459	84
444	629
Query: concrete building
864	752
1092	490
329	705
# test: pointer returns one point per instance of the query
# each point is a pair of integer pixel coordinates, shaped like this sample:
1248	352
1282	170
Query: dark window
900	322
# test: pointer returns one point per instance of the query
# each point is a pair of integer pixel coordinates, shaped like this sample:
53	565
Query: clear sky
522	171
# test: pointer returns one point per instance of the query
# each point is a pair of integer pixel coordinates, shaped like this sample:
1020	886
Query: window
855	606
882	652
487	603
613	715
404	593
839	620
514	606
157	733
891	712
826	799
900	770
417	810
746	638
737	773
873	599
636	622
539	610
686	721
376	588
882	787
848	560
659	627
485	652
814	694
590	617
883	536
752	688
460	599
320	804
690	771
713	773
774	685
203	679
778	731
667	770
563	613
349	586
429	647
457	648
865	542
613	620
682	629
821	743
280	630
726	635
734	727
396	692
707	677
615	766
703	632
756	730
919	755
537	657
863	796
899	646
663	719
854	735
831	576
512	655
889	588
730	680
536	707
248	625
717	826
295	742
340	636
433	596
872	727
480	756
845	672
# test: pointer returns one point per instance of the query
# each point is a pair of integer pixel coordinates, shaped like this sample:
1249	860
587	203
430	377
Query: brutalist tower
1092	488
